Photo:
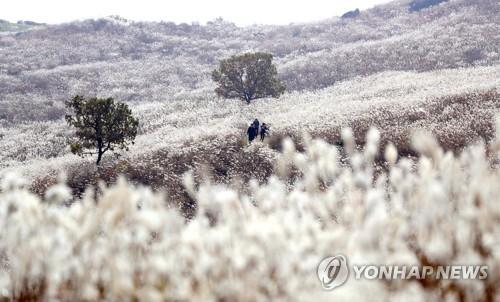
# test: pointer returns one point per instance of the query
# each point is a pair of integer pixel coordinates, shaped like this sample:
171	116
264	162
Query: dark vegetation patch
221	159
418	5
351	14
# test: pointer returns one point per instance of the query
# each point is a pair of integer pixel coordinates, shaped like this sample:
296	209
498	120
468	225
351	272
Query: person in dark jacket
264	129
256	124
252	133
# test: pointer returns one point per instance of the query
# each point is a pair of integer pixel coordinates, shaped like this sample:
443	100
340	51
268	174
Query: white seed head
12	181
391	154
348	139
58	194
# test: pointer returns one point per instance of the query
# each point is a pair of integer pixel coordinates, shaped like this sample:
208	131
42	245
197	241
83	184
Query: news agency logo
334	271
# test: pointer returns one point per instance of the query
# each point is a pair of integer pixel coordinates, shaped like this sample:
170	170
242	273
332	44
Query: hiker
252	133
263	131
256	124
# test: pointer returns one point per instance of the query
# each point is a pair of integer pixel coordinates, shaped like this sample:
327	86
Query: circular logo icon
333	272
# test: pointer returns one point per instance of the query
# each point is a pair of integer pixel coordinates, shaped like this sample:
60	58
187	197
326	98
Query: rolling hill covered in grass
141	62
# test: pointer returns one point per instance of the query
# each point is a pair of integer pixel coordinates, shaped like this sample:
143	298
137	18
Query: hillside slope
142	62
457	105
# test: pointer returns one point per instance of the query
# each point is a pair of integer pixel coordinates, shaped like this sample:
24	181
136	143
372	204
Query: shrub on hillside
351	14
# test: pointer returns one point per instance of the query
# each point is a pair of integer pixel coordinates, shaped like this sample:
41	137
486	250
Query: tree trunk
99	152
99	157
